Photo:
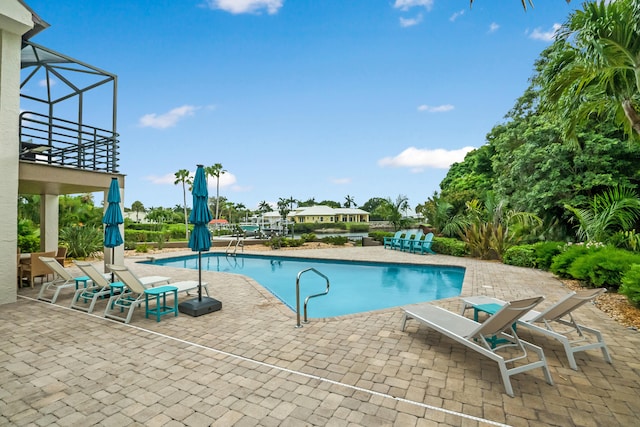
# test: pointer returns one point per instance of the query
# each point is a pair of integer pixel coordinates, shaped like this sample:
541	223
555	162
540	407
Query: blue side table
82	280
161	307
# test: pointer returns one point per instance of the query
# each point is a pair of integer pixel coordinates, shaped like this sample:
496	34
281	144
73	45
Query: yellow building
324	214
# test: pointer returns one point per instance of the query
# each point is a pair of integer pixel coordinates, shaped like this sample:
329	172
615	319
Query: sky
310	99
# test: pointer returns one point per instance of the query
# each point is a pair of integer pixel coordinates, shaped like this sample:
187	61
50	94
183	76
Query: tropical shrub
562	262
630	286
309	237
604	267
142	248
335	240
82	241
448	246
357	227
380	235
28	240
545	252
521	256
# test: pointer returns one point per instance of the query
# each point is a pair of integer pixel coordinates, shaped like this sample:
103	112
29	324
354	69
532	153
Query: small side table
82	280
161	307
484	304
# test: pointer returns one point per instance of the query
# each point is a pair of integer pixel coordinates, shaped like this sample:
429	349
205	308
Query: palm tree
241	208
290	201
617	209
264	206
391	211
184	176
137	207
349	201
594	68
216	170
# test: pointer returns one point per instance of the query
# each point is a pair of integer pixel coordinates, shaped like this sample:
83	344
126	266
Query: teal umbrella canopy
113	217
200	239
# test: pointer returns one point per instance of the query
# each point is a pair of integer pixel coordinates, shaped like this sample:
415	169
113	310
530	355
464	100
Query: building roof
322	210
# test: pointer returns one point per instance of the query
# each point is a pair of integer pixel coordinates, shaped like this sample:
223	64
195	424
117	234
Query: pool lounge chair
134	295
98	286
476	335
561	313
63	279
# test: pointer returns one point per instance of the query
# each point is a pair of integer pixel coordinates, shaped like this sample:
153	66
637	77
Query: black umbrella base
195	307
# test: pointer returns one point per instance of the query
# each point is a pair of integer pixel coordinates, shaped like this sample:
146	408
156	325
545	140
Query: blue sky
305	98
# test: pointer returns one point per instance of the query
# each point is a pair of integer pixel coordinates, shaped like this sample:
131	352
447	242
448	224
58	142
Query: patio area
248	365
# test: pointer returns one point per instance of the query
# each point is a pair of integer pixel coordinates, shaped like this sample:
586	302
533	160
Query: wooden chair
35	267
61	255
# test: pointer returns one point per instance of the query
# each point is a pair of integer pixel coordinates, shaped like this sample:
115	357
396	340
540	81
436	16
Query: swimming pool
355	286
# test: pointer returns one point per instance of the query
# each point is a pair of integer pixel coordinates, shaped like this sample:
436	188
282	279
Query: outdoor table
161	307
484	304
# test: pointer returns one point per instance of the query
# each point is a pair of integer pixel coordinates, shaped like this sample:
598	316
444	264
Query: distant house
326	214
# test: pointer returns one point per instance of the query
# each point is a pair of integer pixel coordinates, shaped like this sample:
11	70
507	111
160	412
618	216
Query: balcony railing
59	142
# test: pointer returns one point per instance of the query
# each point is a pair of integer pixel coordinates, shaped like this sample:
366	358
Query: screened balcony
68	113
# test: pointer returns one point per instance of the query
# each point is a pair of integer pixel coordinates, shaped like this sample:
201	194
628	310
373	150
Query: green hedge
521	256
630	286
604	267
448	246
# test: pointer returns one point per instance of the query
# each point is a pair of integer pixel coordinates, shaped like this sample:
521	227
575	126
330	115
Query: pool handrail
306	300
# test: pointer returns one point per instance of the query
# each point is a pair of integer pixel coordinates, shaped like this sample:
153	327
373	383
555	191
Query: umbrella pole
113	254
199	275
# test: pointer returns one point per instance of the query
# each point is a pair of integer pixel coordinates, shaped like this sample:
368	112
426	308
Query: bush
545	252
142	248
82	241
380	235
309	237
358	227
335	240
28	240
448	246
630	286
604	267
521	256
570	252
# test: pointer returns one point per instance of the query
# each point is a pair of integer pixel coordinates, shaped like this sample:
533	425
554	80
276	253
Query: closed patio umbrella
112	219
200	240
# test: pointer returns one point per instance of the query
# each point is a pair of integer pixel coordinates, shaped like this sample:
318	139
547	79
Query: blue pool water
355	286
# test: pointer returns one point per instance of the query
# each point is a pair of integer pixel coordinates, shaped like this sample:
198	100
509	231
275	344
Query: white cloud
418	159
436	109
341	181
410	22
405	5
493	27
546	36
43	82
227	180
167	120
163	179
456	15
246	6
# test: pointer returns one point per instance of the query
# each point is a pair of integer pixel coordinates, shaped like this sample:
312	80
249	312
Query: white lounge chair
134	296
85	298
560	313
99	286
477	336
62	280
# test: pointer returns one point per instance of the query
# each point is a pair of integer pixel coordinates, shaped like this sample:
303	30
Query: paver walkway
248	365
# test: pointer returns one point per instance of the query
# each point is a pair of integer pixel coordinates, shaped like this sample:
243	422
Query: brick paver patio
248	365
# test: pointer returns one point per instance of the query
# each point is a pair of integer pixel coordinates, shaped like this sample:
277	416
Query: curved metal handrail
306	300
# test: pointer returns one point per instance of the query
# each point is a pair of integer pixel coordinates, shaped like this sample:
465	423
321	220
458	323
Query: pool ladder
306	300
234	250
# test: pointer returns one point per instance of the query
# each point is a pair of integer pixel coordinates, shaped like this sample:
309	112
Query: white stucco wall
15	20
